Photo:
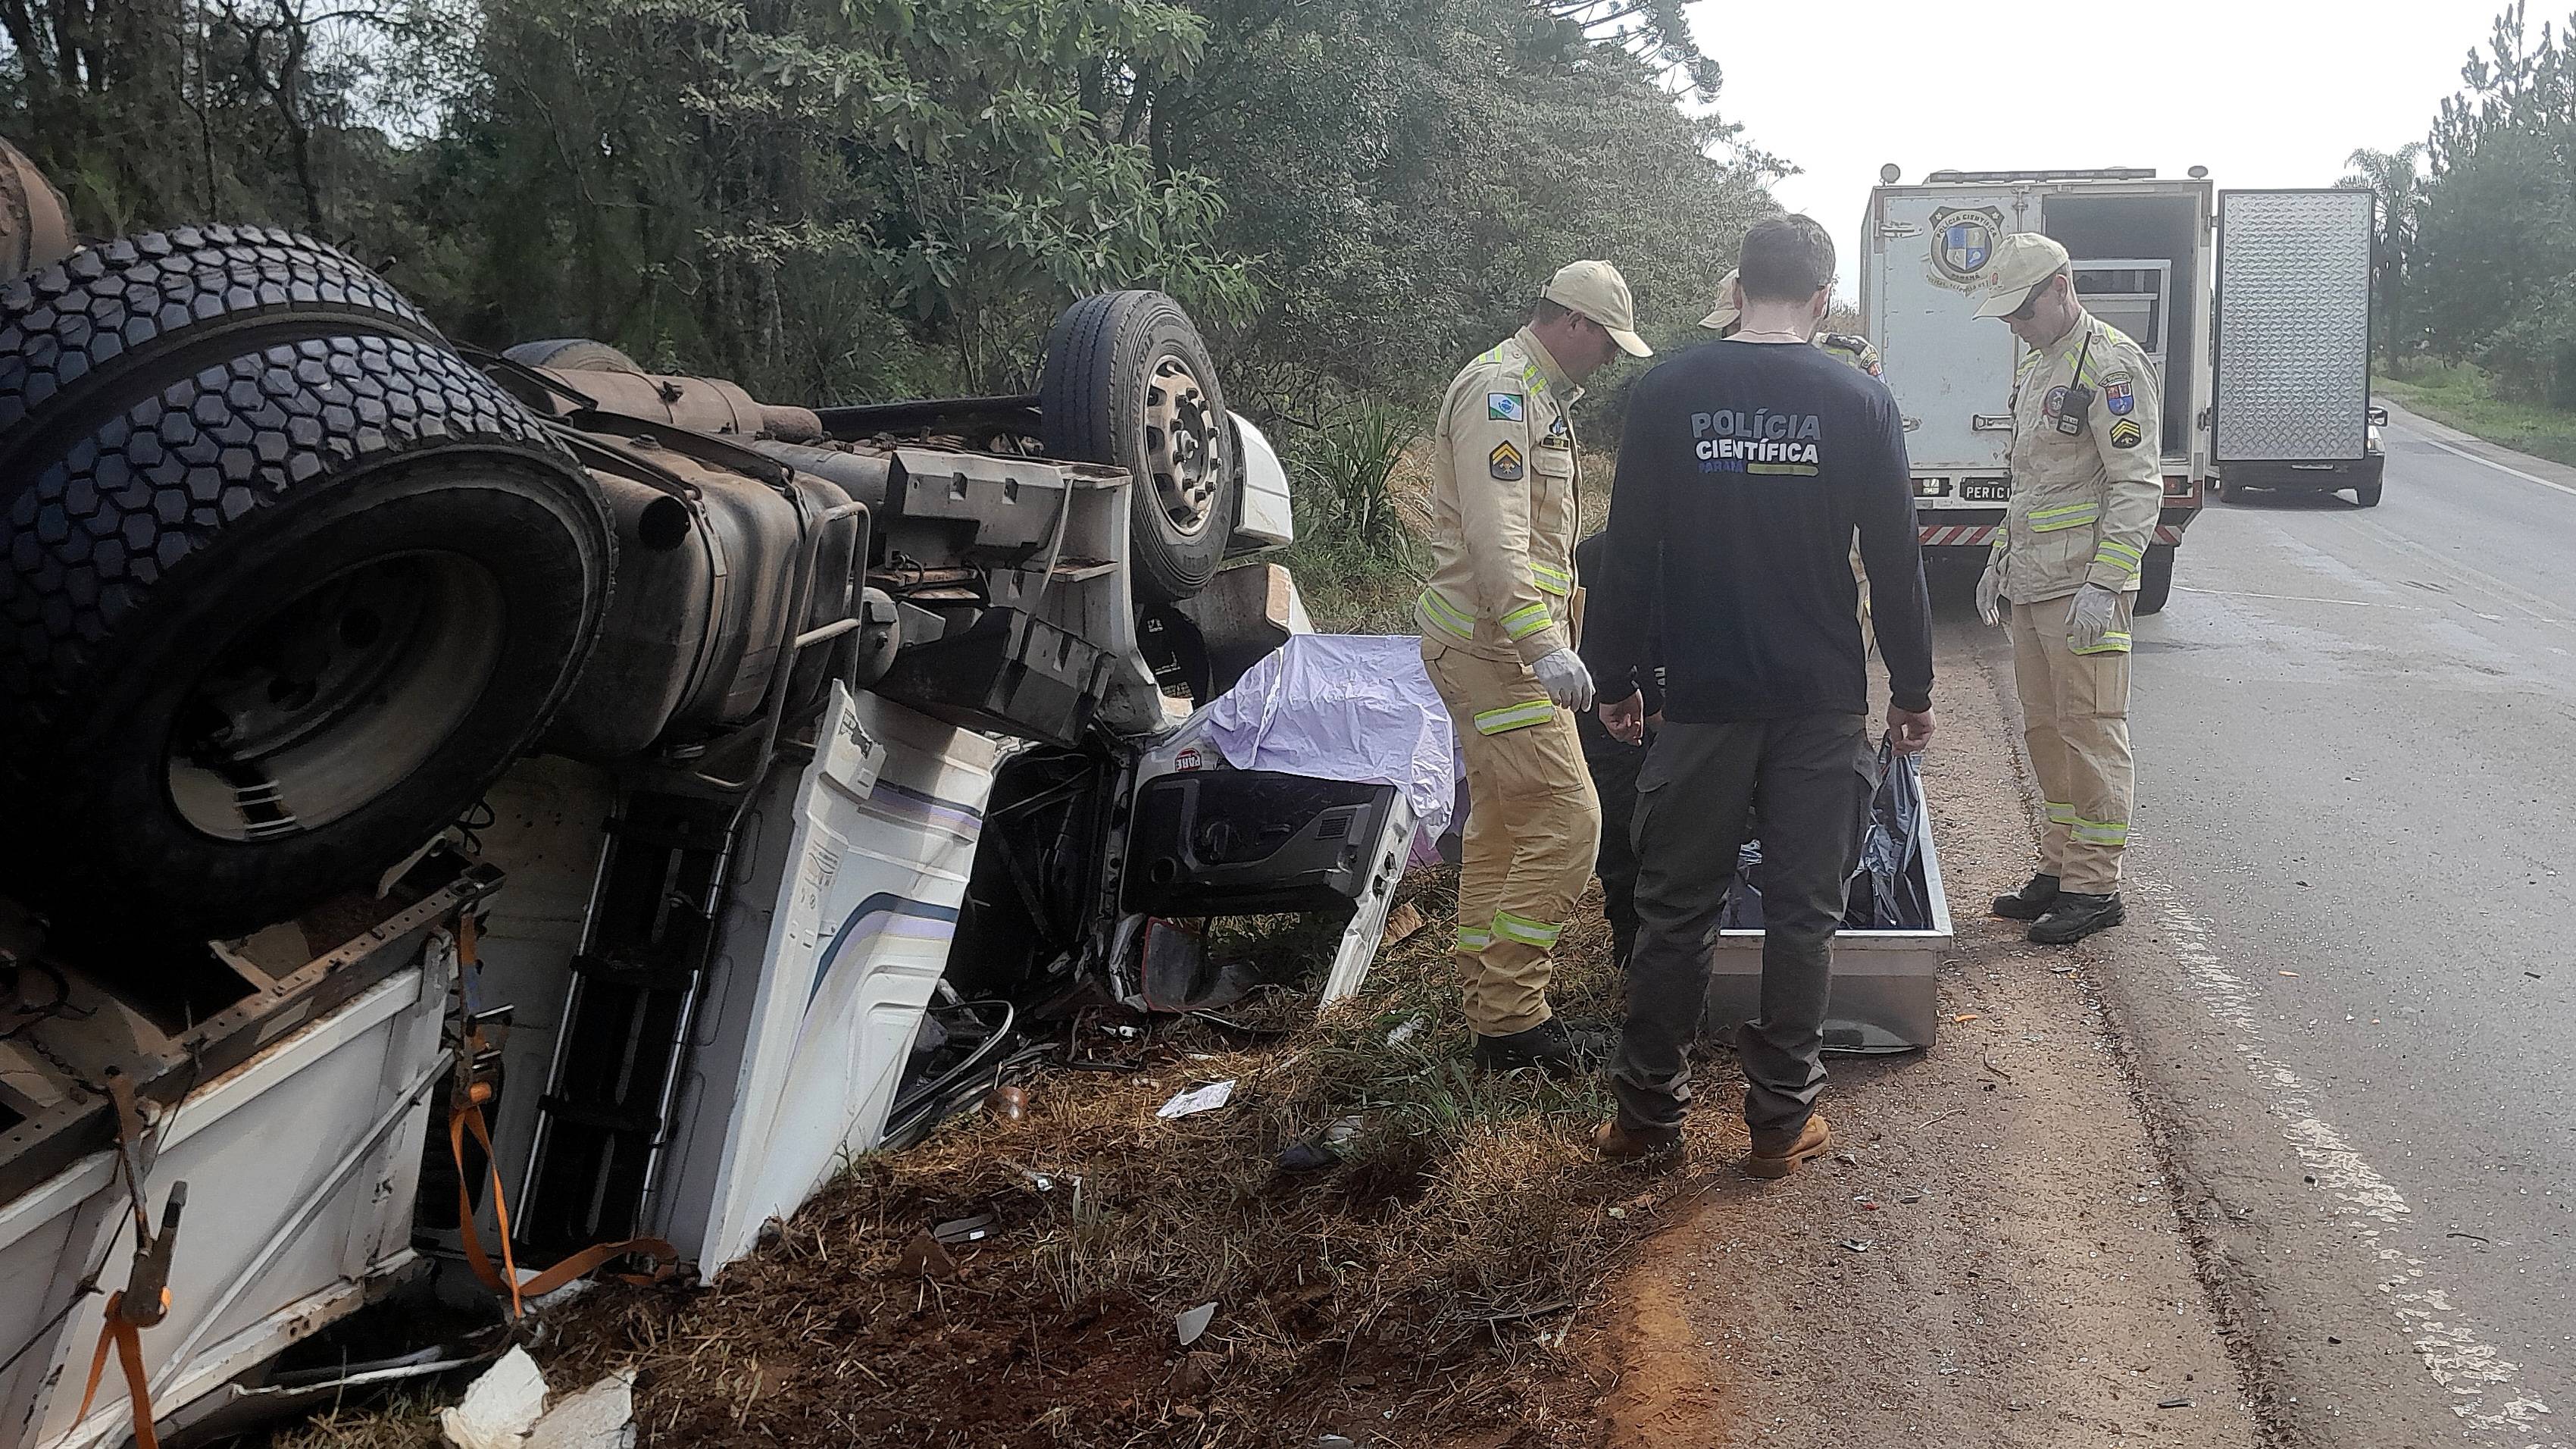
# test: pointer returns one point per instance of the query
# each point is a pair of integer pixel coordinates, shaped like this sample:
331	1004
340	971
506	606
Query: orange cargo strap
465	1114
122	1331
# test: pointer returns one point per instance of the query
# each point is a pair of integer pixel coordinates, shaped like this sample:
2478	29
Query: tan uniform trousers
2075	718
1533	825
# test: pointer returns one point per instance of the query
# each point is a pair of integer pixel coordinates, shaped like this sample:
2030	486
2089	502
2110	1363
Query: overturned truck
450	786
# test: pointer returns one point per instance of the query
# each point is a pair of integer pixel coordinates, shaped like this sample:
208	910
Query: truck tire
2367	494
288	583
1128	382
2155	580
571	354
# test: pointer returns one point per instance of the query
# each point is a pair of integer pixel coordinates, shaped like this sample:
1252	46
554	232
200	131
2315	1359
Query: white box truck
2292	369
2142	253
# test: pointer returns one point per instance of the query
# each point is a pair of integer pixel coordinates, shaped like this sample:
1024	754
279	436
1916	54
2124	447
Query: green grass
2462	396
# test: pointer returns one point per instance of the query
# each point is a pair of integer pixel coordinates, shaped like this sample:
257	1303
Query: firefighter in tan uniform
1498	640
2087	481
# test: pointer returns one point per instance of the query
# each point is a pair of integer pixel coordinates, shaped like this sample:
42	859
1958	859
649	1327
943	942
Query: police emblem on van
1963	242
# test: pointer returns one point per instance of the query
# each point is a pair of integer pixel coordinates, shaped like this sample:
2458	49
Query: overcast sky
2262	92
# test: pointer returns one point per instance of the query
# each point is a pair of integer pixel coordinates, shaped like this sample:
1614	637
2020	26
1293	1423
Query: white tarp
1343	707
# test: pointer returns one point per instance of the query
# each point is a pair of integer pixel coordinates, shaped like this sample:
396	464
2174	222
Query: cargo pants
1802	781
1533	825
2075	720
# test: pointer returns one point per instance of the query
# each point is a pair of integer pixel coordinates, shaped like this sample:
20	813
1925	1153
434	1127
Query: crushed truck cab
687	790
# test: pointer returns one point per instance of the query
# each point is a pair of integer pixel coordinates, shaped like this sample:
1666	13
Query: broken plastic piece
1194	1323
500	1407
964	1230
1198	1099
599	1417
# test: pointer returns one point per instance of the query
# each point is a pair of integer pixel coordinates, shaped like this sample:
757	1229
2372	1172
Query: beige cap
1726	313
1596	290
2023	260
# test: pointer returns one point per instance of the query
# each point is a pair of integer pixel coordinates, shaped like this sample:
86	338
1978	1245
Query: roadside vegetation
2474	263
2464	397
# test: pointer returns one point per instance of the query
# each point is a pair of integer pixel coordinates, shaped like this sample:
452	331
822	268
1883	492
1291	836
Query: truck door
1951	372
2292	361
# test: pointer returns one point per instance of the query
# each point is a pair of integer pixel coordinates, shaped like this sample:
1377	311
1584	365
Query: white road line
2312	599
2480	1380
2492	463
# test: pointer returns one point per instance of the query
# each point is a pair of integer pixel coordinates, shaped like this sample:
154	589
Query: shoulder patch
1505	463
1503	407
2117	396
2126	433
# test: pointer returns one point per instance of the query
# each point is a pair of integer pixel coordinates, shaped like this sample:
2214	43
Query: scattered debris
926	1257
500	1407
1194	1323
1859	1245
2184	1403
2472	1237
1846	1159
1997	1070
1401	922
1964	1017
964	1230
1008	1103
1408	1028
1866	1205
1320	1150
599	1417
1944	1117
2293	973
1335	1441
1198	1099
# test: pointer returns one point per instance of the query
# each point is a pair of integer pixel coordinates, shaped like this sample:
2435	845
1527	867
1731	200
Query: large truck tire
288	583
1128	382
2155	580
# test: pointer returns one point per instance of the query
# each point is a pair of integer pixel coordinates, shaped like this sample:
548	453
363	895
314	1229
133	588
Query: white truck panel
820	988
2293	370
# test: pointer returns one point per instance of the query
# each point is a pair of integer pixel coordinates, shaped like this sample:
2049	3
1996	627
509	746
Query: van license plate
1984	490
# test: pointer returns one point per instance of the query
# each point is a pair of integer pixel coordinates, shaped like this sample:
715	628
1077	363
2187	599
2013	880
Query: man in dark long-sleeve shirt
1745	472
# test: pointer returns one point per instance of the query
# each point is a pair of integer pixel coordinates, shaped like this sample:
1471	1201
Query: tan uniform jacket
2084	502
1504	508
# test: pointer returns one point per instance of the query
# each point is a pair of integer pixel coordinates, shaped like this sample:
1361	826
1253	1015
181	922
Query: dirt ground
1992	1258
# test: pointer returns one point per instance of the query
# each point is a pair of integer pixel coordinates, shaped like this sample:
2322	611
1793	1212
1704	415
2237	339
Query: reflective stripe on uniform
2060	814
1524	621
2100	832
2065	515
1554	581
1447	616
1514	716
1472	940
1525	930
2113	642
2123	555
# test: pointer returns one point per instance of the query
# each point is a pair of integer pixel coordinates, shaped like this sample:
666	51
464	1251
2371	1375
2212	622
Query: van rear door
2292	380
1951	372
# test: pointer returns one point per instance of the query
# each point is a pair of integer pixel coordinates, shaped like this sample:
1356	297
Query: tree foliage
843	199
2492	257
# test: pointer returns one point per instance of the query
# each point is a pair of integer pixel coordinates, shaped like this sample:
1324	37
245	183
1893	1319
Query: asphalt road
2349	981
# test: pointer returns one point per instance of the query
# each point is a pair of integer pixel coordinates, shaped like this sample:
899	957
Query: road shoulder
1993	1255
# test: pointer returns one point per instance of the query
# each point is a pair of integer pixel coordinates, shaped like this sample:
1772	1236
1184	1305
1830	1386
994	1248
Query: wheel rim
335	698
1182	459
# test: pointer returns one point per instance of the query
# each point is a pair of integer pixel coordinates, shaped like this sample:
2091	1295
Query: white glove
1990	592
2091	616
1566	681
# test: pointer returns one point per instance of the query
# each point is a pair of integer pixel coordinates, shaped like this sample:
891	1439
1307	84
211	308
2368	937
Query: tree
2395	181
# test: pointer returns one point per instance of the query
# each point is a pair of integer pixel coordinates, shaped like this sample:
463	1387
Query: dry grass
1427	1277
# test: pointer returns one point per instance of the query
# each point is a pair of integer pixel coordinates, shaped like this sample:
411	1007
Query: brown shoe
1618	1144
1813	1141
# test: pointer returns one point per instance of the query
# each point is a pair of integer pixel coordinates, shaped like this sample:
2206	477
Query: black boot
1547	1046
2030	902
2075	916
